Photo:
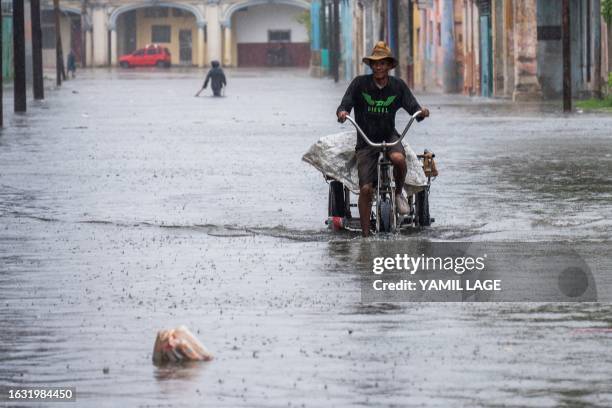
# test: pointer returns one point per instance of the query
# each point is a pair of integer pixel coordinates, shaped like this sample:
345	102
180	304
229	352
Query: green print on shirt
378	106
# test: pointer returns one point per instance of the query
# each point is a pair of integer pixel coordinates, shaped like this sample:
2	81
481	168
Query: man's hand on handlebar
342	116
424	113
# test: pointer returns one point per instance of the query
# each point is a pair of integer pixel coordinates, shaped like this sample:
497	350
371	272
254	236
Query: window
7	7
152	51
176	12
160	34
156	12
138	53
279	35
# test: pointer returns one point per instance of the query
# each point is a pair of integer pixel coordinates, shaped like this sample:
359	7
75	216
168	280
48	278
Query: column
113	45
596	27
100	39
497	15
447	27
315	38
609	49
422	46
526	85
213	27
201	55
508	48
89	47
476	89
227	46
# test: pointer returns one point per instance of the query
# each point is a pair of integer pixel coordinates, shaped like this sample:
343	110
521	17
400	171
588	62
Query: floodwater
128	206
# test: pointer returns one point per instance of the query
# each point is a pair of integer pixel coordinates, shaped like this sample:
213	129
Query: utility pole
39	92
596	11
336	41
19	96
59	58
392	5
567	67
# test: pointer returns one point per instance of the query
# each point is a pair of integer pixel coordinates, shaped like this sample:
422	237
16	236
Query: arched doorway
267	33
178	27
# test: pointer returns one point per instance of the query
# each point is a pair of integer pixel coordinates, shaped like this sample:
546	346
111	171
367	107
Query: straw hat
380	52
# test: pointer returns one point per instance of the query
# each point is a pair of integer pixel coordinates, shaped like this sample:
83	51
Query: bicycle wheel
336	203
422	208
385	213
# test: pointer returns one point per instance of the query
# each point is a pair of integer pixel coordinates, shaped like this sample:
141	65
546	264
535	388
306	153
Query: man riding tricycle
380	156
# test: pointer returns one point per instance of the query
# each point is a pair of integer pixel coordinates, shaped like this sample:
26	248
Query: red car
151	55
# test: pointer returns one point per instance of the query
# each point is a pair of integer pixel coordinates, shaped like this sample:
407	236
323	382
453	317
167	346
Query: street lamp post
19	95
37	69
567	69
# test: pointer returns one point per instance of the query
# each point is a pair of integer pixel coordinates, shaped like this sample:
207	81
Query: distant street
129	205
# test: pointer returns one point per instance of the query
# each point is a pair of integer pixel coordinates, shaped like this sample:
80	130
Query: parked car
151	55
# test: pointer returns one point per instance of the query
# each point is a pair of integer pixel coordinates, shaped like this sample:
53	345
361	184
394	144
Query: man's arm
410	103
347	102
206	81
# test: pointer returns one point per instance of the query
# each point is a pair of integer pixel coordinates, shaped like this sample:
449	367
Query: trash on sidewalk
177	346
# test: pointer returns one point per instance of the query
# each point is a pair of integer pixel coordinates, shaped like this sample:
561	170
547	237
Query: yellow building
195	32
173	28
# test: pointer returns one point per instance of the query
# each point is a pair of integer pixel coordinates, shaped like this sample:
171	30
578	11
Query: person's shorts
367	160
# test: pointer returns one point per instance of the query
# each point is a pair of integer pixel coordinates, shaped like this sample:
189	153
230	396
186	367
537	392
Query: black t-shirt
375	108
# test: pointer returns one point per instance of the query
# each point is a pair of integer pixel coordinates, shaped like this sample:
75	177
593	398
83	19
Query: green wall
7	47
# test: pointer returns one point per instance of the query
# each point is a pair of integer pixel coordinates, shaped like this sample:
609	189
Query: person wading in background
216	76
71	64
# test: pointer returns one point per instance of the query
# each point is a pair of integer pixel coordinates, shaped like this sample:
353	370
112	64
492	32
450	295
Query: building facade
499	48
235	32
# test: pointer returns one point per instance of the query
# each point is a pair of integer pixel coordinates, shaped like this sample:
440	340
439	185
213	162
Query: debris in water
177	346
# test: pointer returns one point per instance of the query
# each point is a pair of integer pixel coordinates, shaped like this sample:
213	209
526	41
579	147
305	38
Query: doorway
185	47
486	58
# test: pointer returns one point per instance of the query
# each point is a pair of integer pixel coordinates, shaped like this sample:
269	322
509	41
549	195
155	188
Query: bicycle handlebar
383	144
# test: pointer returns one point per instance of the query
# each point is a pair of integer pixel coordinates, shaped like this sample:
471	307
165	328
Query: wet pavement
128	205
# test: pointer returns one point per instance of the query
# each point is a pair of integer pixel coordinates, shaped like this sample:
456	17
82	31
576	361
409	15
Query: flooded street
127	205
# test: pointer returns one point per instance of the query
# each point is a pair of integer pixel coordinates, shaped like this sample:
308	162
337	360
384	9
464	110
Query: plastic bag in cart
334	156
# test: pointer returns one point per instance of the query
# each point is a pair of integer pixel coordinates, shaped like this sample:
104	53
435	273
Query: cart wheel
386	212
422	208
336	204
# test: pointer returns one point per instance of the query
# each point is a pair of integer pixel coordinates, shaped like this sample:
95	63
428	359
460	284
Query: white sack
334	156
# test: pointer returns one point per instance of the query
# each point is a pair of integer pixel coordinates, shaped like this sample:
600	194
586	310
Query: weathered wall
187	22
550	51
251	25
497	14
404	39
49	53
